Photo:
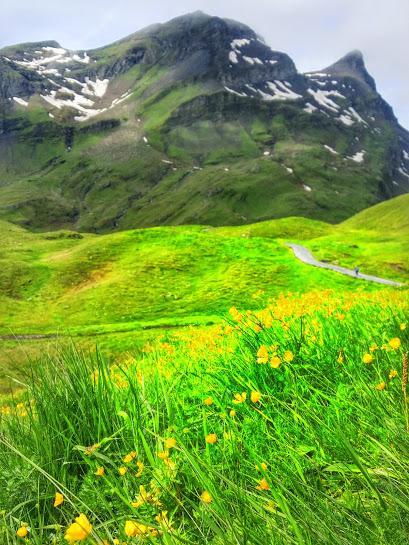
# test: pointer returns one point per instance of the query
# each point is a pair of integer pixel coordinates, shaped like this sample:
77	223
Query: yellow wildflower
367	358
170	464
211	439
239	398
163	520
402	327
130	457
381	386
79	530
275	362
255	397
395	343
393	374
262	355
373	347
100	472
133	529
341	358
263	485
261	467
206	497
89	451
208	401
163	455
122	470
141	467
59	499
288	356
233	413
170	443
22	531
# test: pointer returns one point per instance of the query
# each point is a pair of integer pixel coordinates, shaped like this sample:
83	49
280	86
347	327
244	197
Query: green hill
388	217
376	240
124	288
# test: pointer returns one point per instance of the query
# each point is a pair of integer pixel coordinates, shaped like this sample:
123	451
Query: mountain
192	121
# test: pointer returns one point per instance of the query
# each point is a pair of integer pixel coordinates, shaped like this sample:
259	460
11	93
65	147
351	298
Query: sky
315	33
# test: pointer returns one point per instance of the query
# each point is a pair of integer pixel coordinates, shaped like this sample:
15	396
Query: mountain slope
193	121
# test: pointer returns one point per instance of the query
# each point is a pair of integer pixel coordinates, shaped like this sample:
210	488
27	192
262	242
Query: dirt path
305	256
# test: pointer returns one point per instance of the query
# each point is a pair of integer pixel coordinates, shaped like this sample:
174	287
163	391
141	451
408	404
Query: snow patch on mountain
322	98
358	157
309	108
233	92
50	55
20	101
281	91
331	150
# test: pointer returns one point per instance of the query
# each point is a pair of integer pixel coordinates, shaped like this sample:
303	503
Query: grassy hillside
376	240
121	290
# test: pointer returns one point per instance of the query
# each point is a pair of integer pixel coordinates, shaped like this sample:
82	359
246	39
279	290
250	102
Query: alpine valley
196	121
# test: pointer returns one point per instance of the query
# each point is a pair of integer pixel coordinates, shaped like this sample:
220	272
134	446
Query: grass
267	429
109	289
286	425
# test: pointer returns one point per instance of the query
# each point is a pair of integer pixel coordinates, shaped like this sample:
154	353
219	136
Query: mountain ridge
192	121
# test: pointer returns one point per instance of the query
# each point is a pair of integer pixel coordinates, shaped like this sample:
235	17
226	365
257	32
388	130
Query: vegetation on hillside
283	426
120	290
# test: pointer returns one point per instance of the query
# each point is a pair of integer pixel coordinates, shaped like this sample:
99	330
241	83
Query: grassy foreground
283	426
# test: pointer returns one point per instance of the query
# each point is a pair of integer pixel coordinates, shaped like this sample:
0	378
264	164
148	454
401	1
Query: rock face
196	120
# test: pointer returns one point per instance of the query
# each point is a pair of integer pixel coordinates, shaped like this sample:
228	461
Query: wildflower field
287	425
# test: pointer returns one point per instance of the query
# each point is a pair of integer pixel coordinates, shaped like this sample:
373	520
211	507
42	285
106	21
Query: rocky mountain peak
195	93
353	65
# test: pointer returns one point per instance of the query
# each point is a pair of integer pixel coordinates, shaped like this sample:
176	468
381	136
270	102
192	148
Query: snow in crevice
331	150
317	75
358	157
406	155
20	101
236	54
281	91
309	108
82	96
239	43
346	120
233	57
51	55
356	116
403	172
320	83
252	60
307	188
252	89
322	98
233	92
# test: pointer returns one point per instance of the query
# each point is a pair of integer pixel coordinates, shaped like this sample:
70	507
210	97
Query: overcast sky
314	33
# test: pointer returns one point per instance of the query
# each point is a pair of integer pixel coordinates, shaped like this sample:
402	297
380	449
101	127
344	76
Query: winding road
304	255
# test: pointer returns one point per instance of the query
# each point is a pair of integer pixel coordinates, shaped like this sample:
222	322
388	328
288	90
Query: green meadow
200	385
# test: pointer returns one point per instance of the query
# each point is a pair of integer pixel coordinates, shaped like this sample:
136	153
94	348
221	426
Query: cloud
315	33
